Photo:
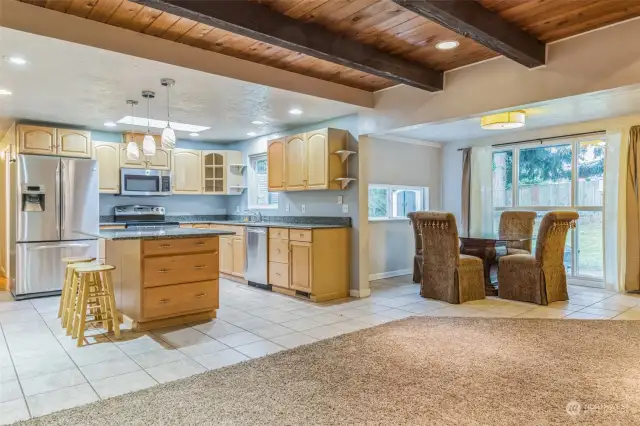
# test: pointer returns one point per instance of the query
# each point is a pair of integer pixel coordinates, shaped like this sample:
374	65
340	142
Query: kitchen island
164	277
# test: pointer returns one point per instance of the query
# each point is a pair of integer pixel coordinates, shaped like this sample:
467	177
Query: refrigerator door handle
58	203
57	246
59	185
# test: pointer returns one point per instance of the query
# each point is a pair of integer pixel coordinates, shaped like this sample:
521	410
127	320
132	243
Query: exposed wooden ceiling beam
470	19
260	23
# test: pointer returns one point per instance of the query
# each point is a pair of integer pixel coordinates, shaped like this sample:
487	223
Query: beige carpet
418	371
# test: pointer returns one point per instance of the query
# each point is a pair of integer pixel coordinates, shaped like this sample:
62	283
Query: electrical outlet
237	209
303	208
345	208
288	207
339	199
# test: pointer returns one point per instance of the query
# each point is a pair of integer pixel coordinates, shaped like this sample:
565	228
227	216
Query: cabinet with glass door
214	172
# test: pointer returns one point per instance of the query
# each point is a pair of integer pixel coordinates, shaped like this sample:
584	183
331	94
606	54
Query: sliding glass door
565	174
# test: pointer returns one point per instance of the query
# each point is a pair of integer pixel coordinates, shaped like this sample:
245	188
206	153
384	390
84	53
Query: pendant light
133	153
148	143
168	135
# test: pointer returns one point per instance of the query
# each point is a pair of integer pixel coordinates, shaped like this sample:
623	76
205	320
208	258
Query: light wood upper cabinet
301	266
238	256
226	254
108	156
125	162
36	139
73	143
295	166
160	161
187	171
317	160
276	165
214	168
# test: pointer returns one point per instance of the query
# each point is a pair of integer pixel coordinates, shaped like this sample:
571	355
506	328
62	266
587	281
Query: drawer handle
163	301
278	250
199	266
302	235
165	245
164	271
200	295
278	273
201	243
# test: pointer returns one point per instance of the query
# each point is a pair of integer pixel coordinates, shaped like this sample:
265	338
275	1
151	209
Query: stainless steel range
143	217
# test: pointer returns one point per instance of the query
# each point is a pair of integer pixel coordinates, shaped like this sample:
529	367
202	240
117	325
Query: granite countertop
156	234
259	224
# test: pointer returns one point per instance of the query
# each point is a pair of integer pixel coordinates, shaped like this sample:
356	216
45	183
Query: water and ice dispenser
33	199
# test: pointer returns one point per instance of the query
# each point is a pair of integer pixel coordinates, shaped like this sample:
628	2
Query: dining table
489	247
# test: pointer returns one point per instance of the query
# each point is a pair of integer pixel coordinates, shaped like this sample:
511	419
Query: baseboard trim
360	293
390	274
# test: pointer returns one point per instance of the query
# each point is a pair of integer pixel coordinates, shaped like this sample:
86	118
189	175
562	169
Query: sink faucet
255	214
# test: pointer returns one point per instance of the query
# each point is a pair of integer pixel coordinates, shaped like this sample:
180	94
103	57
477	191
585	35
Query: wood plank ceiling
379	23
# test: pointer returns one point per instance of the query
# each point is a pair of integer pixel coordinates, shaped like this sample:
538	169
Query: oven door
141	182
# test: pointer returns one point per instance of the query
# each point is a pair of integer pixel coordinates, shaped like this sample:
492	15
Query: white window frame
252	186
575	146
423	201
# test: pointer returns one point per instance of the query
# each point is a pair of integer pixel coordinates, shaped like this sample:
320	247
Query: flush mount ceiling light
110	124
504	120
133	153
5	92
15	60
161	124
295	111
257	122
194	134
168	135
148	143
251	134
447	45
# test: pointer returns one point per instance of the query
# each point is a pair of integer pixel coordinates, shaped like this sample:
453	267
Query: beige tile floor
42	370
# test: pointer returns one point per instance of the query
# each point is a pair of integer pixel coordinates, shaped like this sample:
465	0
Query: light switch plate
237	209
303	208
345	208
288	207
339	199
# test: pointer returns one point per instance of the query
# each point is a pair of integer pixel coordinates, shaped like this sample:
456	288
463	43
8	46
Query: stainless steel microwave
145	182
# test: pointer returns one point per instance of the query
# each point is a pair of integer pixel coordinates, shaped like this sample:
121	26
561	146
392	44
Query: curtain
466	188
632	252
615	216
481	200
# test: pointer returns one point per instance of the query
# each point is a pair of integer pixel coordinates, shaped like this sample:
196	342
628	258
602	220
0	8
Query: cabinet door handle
199	295
199	266
163	271
278	250
278	273
165	245
163	301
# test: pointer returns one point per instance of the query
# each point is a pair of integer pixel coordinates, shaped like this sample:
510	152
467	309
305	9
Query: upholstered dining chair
417	257
539	278
446	274
517	223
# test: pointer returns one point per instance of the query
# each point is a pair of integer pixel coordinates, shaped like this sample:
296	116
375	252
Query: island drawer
300	235
179	299
179	245
279	274
278	251
164	270
279	233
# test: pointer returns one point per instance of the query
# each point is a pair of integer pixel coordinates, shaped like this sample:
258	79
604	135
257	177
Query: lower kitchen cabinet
232	251
226	255
310	262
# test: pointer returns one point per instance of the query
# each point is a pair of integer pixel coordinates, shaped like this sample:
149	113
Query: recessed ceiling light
160	124
16	60
447	45
110	124
258	122
4	92
194	134
251	134
295	111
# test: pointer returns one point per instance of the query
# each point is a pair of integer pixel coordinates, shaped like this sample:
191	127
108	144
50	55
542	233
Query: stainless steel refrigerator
53	205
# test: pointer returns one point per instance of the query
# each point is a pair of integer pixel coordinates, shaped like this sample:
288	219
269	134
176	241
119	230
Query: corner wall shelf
344	154
238	166
344	182
236	190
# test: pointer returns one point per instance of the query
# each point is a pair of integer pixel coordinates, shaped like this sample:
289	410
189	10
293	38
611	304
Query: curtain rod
546	139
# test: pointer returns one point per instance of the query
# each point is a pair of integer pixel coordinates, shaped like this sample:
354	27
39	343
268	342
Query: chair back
416	231
552	236
440	246
517	223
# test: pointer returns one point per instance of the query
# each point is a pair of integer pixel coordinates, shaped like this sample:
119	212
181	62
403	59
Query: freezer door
39	267
80	198
38	217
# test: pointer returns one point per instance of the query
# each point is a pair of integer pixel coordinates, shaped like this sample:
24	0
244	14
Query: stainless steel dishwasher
257	261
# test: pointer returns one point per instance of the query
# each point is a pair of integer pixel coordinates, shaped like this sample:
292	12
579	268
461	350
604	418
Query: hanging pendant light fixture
168	135
148	143
133	153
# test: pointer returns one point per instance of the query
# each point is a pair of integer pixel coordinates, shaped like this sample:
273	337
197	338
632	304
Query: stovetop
150	224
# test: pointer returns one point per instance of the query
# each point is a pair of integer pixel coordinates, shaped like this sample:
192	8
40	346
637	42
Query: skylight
161	124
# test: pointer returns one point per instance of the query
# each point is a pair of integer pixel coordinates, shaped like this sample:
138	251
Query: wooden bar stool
95	289
65	297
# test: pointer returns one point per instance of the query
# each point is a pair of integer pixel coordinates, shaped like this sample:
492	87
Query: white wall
391	243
